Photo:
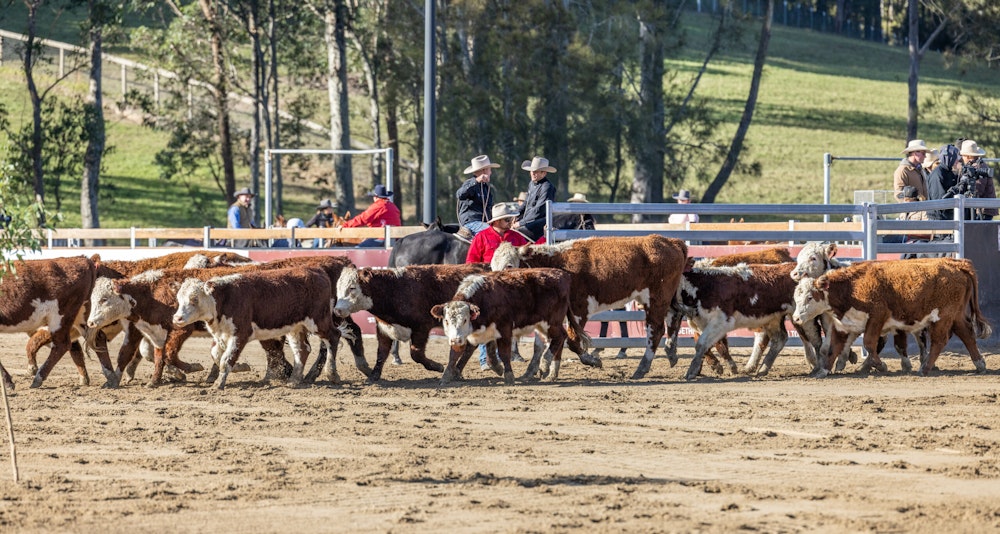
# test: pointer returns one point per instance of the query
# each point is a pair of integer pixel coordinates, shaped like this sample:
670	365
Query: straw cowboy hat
577	197
537	164
244	191
932	157
683	194
326	203
480	162
380	192
521	197
917	145
503	210
970	148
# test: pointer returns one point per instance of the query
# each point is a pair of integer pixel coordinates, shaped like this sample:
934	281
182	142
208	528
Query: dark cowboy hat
326	203
244	191
380	192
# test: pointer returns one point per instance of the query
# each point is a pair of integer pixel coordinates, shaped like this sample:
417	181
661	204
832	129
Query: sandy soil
594	451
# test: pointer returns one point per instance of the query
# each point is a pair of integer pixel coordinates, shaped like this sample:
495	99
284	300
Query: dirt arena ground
593	452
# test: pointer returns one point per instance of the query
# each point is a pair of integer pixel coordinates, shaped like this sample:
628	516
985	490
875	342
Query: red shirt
380	213
486	242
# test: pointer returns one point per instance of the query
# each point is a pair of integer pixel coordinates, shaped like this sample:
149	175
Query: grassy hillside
820	93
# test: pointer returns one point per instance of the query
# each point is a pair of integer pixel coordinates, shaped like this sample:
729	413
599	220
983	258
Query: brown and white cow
401	299
718	300
609	272
48	294
876	298
500	305
266	304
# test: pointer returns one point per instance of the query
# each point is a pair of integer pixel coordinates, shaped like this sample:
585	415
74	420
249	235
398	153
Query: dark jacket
475	202
532	216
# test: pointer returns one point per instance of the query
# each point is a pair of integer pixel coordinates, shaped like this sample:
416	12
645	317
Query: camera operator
979	174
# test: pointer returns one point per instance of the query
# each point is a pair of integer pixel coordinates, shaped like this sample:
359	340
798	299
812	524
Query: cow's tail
980	325
576	332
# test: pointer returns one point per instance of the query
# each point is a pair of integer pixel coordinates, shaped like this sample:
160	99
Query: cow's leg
557	338
298	342
899	340
396	360
515	353
722	347
111	378
871	344
965	331
351	333
531	373
761	340
586	358
128	355
655	317
674	318
467	353
172	349
940	334
384	345
277	366
327	359
541	347
37	340
76	354
60	344
845	353
503	348
778	337
456	355
418	351
810	336
233	347
708	338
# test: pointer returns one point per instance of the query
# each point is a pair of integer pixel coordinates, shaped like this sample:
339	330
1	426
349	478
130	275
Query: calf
265	304
607	273
48	294
401	299
500	305
717	300
875	298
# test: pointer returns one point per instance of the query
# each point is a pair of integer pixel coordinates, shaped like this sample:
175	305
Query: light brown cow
609	272
876	298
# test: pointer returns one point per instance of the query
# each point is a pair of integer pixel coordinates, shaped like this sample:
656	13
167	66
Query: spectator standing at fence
683	197
910	170
972	158
531	218
931	161
575	221
240	216
322	219
475	197
520	199
380	214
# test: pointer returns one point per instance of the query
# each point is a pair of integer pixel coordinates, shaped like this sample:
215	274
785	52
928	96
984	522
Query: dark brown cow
609	272
149	300
875	298
265	304
718	300
48	294
499	305
401	299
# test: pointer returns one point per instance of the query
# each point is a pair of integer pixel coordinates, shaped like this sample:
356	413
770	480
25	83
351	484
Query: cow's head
456	319
351	297
814	259
506	256
108	303
195	302
811	299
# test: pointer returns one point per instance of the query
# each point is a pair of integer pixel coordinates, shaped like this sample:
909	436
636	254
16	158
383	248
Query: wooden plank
92	233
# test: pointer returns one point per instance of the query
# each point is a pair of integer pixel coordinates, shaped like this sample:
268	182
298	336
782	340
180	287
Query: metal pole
267	188
390	179
959	216
871	231
430	141
827	160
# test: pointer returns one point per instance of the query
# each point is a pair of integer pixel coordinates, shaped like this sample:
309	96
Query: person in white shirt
683	197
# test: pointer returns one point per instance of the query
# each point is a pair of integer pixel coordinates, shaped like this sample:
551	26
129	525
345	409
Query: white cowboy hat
683	194
932	157
503	210
244	191
537	164
480	162
917	145
522	196
970	148
577	197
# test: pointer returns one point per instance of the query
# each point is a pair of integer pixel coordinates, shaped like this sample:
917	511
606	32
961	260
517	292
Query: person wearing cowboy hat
521	198
485	244
682	197
381	213
531	218
574	221
475	196
240	215
324	215
910	170
974	166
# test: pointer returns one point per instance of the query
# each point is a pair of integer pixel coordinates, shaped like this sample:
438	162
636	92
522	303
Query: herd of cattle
157	303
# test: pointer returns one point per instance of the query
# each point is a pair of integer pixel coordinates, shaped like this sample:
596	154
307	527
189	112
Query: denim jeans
476	226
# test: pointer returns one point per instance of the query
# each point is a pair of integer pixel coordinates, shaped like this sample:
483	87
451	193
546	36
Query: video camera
967	181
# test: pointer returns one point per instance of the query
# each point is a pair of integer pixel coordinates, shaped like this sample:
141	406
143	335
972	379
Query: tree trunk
555	118
221	94
260	103
741	131
35	149
274	124
340	125
912	107
647	182
94	125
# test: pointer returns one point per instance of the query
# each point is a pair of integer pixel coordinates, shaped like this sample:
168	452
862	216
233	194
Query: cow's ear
116	286
689	265
831	250
822	283
96	258
473	312
209	287
438	311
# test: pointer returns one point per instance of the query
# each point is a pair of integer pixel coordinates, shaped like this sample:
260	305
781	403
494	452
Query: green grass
820	93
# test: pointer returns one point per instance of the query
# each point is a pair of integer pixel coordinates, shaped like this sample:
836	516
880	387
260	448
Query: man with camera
977	177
